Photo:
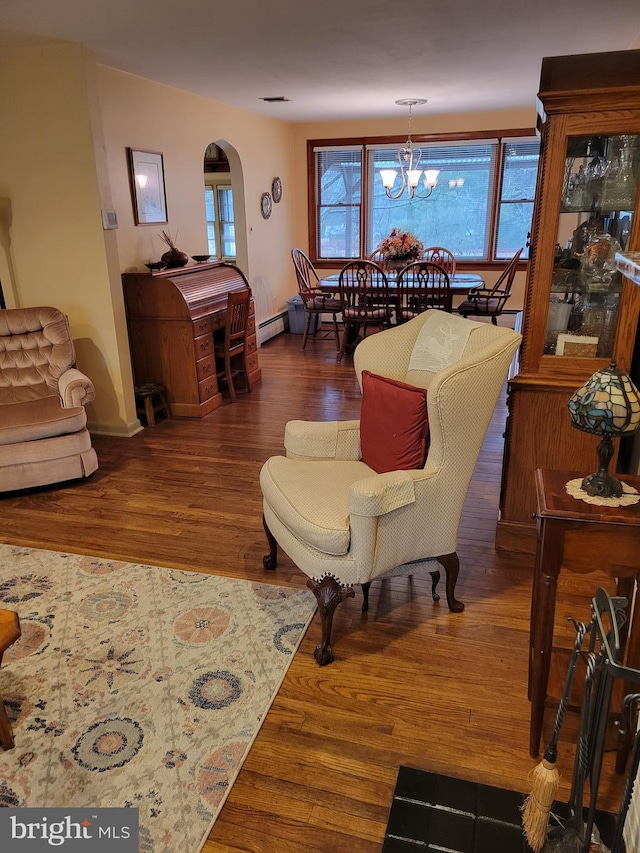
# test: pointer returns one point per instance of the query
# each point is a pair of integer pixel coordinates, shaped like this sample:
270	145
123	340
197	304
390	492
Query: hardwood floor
411	684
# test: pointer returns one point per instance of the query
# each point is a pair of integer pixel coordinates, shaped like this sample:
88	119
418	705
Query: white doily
630	495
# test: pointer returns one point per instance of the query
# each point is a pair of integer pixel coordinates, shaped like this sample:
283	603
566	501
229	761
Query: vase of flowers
174	257
400	248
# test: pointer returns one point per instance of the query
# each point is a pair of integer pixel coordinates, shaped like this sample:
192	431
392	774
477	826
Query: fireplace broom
545	778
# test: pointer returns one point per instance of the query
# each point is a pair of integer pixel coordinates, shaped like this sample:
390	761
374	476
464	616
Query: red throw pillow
394	425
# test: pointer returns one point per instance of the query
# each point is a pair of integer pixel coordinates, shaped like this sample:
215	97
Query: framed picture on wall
146	173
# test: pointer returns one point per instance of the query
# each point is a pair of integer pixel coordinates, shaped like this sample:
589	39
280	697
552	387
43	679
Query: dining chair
376	256
422	285
233	348
490	301
441	256
314	300
364	295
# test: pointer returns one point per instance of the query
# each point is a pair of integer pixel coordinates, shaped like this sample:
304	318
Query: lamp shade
607	404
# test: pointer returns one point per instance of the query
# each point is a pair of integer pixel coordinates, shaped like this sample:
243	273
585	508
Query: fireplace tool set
579	830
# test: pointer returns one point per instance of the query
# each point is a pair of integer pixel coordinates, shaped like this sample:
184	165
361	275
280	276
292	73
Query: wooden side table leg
547	569
9	633
6	735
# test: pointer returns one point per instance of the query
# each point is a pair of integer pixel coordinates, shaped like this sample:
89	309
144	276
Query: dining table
460	283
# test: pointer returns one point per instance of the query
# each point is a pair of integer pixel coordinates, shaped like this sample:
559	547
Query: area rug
138	686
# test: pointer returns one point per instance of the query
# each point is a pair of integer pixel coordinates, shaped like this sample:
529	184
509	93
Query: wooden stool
9	633
151	398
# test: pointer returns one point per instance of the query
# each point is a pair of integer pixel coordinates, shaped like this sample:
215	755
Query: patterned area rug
138	686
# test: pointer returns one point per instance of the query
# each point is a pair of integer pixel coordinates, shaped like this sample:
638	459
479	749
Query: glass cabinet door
599	191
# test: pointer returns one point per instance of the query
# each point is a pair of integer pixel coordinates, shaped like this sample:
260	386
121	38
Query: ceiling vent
276	99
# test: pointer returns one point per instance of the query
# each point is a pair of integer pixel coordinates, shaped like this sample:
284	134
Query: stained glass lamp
608	404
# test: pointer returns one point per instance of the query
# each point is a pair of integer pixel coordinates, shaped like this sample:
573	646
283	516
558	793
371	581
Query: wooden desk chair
364	294
490	301
9	633
315	302
438	255
233	350
421	286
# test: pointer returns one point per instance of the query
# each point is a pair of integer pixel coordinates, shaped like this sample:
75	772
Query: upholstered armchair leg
451	565
329	593
435	579
270	560
365	594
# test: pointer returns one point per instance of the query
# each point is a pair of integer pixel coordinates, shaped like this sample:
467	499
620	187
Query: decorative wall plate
265	205
276	190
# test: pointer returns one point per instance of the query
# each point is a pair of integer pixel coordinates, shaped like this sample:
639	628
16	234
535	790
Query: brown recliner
43	423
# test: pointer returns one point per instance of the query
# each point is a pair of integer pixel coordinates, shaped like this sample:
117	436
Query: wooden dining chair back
364	294
377	257
315	302
231	353
441	256
490	301
422	285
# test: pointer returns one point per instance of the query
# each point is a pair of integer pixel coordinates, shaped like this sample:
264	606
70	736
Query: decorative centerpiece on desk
174	257
400	248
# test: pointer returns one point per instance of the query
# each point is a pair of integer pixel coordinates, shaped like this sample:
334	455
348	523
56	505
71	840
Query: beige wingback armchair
342	523
43	423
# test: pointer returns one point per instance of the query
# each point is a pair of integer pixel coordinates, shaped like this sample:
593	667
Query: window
221	233
519	171
339	193
481	207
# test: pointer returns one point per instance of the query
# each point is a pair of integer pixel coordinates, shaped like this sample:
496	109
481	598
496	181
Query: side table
577	537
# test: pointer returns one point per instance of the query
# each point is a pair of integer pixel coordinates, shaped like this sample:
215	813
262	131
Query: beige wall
64	160
142	114
54	250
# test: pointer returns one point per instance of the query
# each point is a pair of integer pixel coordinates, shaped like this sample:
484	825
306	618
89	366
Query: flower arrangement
401	245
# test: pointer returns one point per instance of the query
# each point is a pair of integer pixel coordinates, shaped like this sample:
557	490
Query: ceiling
334	60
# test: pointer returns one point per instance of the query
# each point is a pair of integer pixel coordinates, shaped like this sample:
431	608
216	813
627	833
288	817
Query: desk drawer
207	388
205	367
252	362
201	326
252	345
203	345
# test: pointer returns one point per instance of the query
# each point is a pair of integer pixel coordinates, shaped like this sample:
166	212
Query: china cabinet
580	311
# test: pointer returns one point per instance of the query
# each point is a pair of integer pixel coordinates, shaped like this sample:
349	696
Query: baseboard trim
124	431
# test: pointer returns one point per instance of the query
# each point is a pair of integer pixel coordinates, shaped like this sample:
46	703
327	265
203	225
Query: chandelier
411	169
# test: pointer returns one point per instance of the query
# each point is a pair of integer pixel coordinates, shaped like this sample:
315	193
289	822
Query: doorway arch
231	156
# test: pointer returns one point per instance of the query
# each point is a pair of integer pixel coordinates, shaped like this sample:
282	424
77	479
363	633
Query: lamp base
602	484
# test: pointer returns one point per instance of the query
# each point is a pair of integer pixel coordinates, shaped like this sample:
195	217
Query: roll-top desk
172	316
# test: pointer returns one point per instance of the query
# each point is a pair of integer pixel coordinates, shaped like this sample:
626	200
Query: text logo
70	830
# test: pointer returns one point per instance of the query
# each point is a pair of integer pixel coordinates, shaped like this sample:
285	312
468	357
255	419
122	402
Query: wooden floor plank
412	683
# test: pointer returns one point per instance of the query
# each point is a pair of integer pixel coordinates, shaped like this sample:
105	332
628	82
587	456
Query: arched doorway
224	203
